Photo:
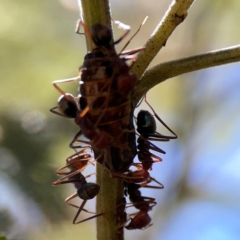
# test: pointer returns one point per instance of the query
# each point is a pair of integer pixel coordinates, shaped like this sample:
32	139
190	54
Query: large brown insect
104	109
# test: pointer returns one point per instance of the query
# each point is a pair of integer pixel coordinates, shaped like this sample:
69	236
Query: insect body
147	128
104	94
141	220
86	191
104	109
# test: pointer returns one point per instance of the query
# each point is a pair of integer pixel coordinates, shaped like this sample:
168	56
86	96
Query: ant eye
67	105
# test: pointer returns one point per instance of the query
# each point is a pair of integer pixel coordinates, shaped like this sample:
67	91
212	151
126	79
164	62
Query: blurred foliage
5	223
3	237
38	45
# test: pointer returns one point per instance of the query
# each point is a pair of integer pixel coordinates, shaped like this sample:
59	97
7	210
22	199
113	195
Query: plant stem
176	14
98	11
166	70
111	192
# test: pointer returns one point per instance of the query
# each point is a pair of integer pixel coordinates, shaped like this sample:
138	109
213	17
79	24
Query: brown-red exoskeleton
85	190
147	128
103	109
141	219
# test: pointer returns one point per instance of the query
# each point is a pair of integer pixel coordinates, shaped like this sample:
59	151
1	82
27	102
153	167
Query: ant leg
123	225
79	157
124	27
82	152
80	145
79	211
155	148
159	137
157	158
78	26
147	145
140	102
145	153
52	110
96	215
77	160
73	205
70	198
129	57
61	180
80	164
161	185
145	184
138	165
149	225
78	134
84	111
127	178
161	121
145	19
146	161
132	51
64	81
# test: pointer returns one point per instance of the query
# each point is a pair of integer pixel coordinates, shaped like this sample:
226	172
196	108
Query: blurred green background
200	171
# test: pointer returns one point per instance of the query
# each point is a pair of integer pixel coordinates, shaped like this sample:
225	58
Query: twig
98	11
176	13
163	71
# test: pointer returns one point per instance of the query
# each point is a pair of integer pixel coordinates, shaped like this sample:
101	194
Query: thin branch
170	69
175	14
98	11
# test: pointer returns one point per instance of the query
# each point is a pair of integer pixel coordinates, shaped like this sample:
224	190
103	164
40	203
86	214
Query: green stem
176	14
166	70
111	192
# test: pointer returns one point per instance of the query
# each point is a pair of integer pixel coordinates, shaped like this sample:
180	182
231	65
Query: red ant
85	191
147	127
141	220
77	163
79	160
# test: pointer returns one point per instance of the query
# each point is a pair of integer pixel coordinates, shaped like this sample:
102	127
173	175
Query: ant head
101	35
67	105
88	191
